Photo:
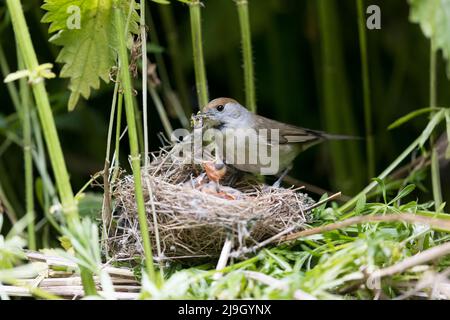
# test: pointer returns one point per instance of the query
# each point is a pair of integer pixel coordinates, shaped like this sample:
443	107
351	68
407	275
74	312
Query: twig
425	256
318	204
223	259
312	188
267	280
155	226
440	224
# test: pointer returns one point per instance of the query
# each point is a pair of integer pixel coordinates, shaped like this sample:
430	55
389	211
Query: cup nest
190	217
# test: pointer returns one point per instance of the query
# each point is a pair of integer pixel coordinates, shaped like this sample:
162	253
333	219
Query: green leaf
382	186
435	120
434	19
360	204
90	204
410	116
403	193
65	242
161	1
88	36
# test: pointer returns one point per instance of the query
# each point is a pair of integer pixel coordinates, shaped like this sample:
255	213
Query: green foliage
434	19
89	52
434	121
11	247
397	123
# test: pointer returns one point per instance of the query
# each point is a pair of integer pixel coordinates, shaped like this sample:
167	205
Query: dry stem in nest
194	216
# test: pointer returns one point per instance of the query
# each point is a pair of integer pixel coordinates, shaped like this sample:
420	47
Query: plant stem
12	90
28	158
144	79
161	110
197	48
170	95
88	282
30	60
175	52
117	142
132	134
370	148
44	111
435	171
382	175
337	111
106	207
138	119
10	212
247	54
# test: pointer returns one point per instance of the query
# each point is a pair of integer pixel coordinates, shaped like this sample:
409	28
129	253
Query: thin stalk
370	147
28	54
44	111
12	90
117	142
132	134
144	79
161	111
25	98
106	207
140	128
175	52
337	111
247	54
435	171
41	166
169	93
9	209
382	175
197	48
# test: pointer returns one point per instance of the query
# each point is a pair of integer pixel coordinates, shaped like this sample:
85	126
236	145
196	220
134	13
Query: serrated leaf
434	19
88	52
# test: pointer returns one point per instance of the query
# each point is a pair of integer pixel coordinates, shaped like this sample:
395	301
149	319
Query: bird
283	141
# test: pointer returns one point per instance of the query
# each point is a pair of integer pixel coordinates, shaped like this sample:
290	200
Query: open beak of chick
215	171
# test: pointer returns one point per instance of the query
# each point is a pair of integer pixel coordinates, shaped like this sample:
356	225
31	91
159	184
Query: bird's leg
277	183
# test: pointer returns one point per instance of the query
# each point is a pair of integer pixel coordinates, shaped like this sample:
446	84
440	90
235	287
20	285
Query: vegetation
72	68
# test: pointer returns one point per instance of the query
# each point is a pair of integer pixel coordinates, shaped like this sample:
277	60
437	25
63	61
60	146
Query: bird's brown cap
217	102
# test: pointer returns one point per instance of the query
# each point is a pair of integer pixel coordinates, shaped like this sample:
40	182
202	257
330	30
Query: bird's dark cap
217	102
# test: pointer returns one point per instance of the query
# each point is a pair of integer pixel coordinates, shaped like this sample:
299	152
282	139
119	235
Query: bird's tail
340	137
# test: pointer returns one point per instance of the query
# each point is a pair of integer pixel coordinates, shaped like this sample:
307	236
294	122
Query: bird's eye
220	108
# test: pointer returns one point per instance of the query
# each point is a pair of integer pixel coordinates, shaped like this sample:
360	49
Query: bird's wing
288	133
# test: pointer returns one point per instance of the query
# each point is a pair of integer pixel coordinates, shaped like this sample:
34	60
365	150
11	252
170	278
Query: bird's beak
209	118
206	114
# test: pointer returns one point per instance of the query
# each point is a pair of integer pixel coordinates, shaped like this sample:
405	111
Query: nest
190	217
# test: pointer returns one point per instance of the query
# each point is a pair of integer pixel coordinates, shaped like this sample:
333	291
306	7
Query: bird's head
226	112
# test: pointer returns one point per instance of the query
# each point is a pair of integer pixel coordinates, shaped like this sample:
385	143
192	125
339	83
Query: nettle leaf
434	19
88	36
